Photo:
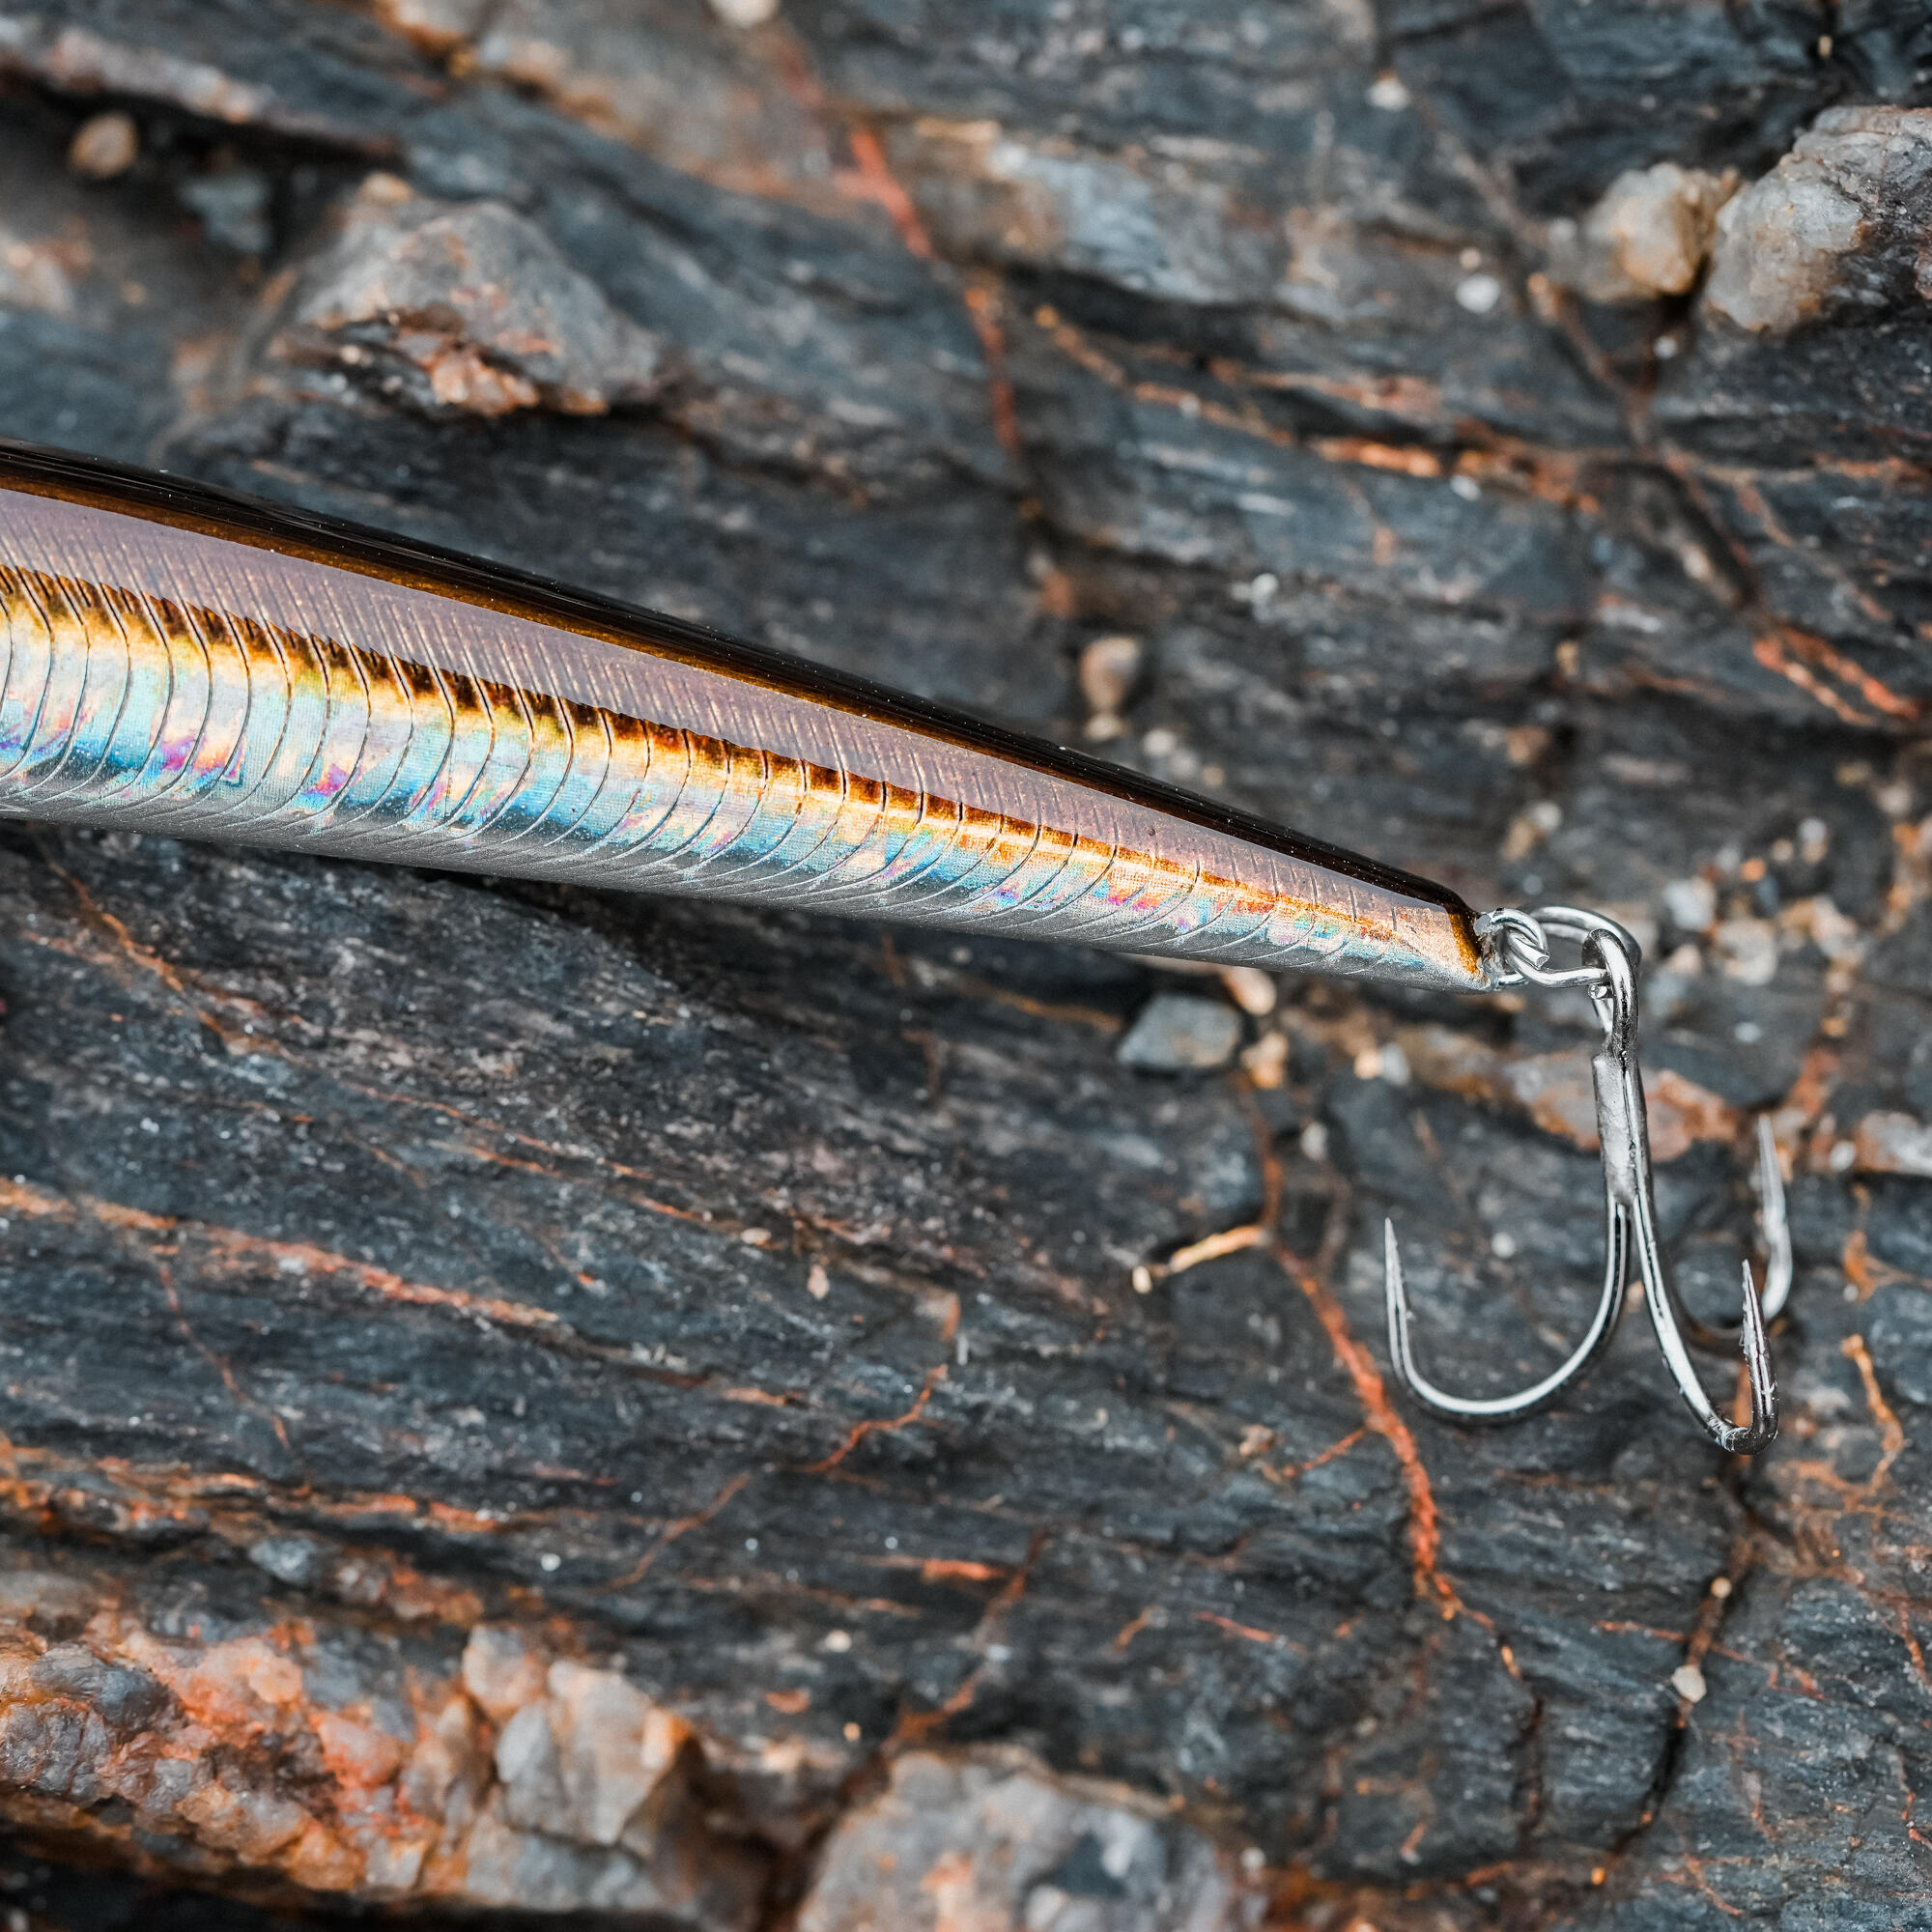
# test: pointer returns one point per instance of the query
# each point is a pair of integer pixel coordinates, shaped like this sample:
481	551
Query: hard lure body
183	661
186	661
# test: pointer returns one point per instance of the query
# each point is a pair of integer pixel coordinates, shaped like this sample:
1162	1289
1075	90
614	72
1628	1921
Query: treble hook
1609	973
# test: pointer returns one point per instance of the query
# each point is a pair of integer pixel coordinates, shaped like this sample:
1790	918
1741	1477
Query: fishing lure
184	661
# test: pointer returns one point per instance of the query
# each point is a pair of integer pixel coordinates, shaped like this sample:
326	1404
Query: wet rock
678	82
126	1699
503	1670
104	146
1902	959
1251	990
299	1560
1917	1089
232	206
573	1395
463	308
580	1762
1176	1032
1837	224
1109	668
170	58
437	26
1561	100
995	1840
1556	1093
1893	1144
1649	235
359	1766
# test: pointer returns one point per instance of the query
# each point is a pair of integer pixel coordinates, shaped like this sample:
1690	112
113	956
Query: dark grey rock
737	1311
1177	1032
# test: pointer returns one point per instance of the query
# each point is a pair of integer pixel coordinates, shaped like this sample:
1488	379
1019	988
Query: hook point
1775	1220
1756	1347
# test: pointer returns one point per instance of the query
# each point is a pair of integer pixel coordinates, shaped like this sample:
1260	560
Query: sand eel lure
183	661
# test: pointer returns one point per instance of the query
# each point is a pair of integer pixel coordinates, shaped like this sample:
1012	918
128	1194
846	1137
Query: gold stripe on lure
184	661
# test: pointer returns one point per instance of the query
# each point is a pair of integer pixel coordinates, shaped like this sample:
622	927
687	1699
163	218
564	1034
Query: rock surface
526	1402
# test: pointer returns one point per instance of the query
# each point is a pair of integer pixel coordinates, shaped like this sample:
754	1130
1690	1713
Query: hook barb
1610	957
1756	1347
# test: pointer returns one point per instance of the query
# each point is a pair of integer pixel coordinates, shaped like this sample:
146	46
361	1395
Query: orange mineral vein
183	661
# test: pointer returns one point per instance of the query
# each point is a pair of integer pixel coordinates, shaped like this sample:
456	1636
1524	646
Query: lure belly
181	661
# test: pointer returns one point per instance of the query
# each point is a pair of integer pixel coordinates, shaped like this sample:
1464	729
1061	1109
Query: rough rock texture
965	1840
465	307
525	1402
1837	224
1649	235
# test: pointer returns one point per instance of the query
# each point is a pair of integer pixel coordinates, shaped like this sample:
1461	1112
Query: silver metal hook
1775	1223
1520	951
1775	1226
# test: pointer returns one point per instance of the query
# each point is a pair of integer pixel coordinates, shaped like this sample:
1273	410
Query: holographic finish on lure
181	661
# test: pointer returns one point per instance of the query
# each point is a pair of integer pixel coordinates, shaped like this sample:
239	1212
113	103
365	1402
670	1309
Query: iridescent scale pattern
176	682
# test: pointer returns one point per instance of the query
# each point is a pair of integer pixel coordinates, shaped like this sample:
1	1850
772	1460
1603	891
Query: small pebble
1176	1032
1108	668
1383	1063
1250	988
1479	294
1690	904
1266	1062
1688	1680
1747	950
231	205
106	144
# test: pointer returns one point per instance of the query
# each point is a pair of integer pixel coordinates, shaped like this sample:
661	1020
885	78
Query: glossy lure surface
184	660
